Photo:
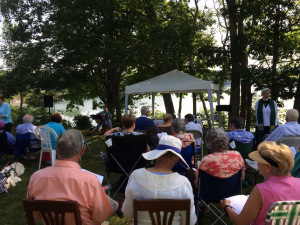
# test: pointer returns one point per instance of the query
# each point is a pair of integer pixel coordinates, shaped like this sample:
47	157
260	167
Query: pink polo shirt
66	181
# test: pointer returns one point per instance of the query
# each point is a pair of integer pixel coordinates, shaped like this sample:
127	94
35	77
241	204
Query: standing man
5	114
290	128
266	115
190	125
66	181
143	122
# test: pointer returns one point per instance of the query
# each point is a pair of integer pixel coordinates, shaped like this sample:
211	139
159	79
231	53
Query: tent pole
220	118
126	103
153	103
209	92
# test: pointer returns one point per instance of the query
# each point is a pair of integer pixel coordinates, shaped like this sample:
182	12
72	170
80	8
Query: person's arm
275	135
109	132
101	208
10	139
127	207
250	211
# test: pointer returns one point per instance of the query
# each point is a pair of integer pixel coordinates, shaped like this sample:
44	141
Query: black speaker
224	108
48	100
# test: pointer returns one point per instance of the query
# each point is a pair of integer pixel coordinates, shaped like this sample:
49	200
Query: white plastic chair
43	133
291	141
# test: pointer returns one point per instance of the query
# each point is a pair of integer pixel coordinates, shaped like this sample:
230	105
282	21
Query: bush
82	122
67	124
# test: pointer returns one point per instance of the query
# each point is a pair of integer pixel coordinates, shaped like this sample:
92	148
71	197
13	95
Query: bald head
292	115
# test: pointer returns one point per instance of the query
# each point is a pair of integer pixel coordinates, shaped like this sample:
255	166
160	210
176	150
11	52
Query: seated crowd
160	181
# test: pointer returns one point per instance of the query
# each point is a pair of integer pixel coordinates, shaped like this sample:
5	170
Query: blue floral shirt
240	135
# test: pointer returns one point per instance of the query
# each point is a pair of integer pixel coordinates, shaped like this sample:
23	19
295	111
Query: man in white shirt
190	125
290	128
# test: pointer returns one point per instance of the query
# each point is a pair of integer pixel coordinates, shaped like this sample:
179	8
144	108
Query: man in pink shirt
66	181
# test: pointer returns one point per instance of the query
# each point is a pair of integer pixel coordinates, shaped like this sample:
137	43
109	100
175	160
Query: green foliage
66	124
82	122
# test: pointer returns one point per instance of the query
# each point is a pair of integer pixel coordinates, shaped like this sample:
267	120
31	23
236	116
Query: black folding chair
213	189
5	150
152	137
24	145
123	157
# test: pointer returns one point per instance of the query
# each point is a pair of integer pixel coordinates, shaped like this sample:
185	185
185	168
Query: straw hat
255	156
166	144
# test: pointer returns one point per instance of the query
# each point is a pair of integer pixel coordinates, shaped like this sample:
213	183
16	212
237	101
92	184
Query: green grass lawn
11	208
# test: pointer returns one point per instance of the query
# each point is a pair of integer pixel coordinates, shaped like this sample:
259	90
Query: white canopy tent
173	82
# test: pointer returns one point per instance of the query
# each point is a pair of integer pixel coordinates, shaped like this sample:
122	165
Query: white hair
27	119
144	110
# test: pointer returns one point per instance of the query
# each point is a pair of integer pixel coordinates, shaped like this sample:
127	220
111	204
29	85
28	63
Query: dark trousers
7	127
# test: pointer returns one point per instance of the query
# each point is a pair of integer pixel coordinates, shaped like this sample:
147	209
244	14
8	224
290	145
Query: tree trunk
205	111
180	105
243	100
21	103
235	58
297	98
249	106
194	104
168	103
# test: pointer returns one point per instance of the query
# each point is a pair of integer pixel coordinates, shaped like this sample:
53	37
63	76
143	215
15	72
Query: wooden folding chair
284	212
52	212
162	211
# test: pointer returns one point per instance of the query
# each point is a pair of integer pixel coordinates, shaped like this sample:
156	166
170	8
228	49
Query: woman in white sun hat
160	182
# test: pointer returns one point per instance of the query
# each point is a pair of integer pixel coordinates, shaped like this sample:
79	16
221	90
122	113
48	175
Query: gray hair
216	139
27	119
69	144
144	110
178	125
264	90
292	114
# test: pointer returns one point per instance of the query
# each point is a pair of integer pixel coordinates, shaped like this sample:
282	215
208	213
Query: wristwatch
226	208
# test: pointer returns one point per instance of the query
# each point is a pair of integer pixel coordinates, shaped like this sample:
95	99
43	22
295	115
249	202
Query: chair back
125	154
45	133
22	143
291	141
4	148
196	133
187	154
152	137
162	211
244	148
52	212
284	212
214	189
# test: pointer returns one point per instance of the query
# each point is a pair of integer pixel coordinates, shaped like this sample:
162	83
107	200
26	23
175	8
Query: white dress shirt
291	128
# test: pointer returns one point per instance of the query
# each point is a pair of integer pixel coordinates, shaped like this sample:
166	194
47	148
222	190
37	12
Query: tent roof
172	82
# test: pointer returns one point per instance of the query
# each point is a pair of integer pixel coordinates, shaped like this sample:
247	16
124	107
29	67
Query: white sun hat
166	144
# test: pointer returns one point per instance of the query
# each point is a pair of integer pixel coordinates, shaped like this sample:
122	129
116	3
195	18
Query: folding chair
284	212
213	189
152	137
124	156
45	136
244	148
162	211
52	212
24	144
187	153
4	148
291	141
197	134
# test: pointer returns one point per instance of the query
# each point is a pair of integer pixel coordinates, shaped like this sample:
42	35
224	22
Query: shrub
82	122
